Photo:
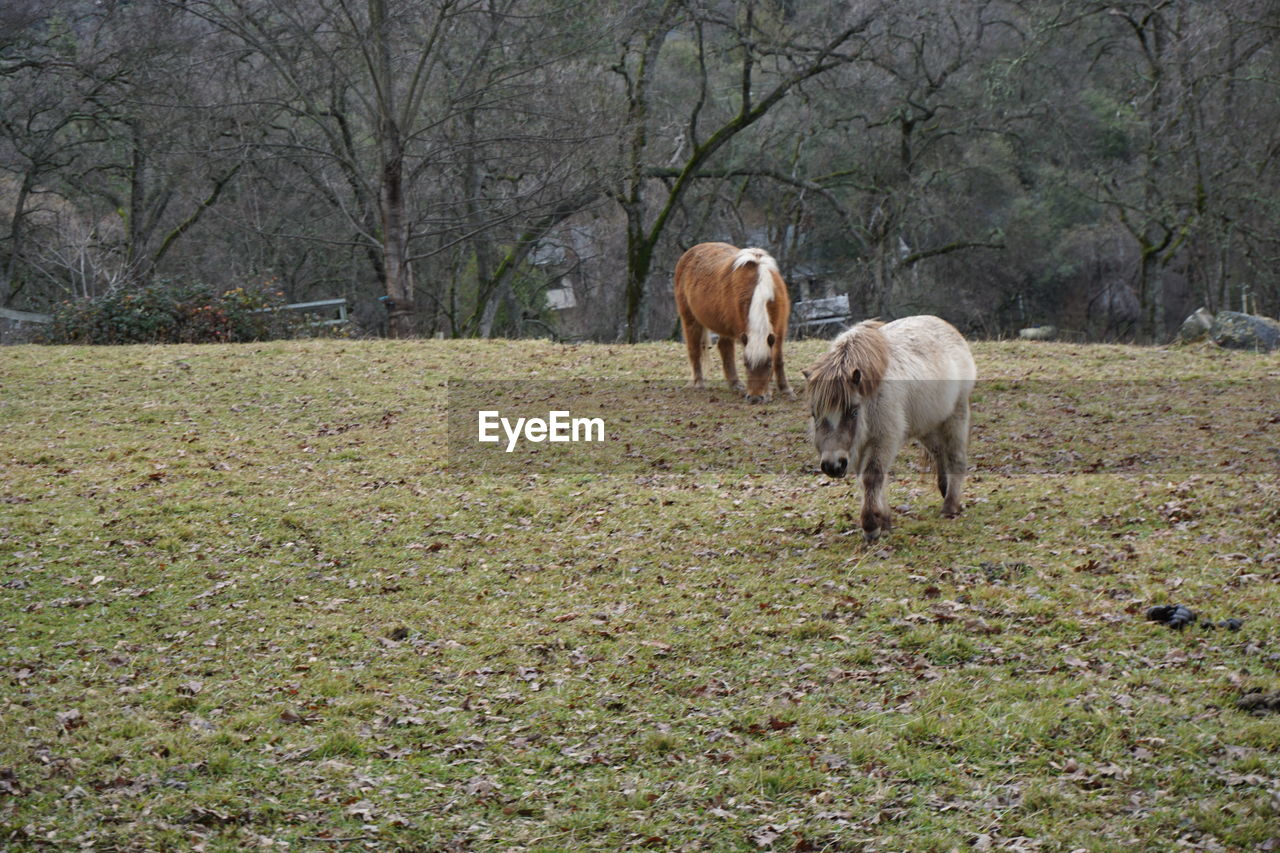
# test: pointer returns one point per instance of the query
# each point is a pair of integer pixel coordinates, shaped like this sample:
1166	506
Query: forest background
465	168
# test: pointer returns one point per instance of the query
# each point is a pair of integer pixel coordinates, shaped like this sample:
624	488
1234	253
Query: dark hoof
875	526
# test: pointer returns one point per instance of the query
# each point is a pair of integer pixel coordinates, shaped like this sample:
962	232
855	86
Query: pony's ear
773	339
804	371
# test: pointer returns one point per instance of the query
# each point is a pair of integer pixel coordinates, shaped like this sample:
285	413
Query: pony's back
931	369
928	347
730	291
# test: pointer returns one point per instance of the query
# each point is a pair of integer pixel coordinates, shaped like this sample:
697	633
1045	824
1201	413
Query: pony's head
758	369
758	340
838	384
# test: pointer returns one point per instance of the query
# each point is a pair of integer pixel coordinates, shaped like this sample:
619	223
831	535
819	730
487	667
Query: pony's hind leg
933	445
953	497
953	459
694	334
730	368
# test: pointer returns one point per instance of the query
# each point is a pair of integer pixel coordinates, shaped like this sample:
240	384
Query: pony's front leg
779	374
730	368
875	507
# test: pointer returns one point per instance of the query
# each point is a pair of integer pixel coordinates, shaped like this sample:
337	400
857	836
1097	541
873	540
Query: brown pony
740	295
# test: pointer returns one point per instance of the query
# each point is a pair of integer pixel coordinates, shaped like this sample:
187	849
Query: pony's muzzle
757	398
836	466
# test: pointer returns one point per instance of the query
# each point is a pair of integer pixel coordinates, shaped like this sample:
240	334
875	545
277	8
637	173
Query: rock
1196	327
1234	330
1038	333
1176	616
1259	703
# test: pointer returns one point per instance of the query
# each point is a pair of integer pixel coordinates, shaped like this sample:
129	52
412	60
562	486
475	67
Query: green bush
172	312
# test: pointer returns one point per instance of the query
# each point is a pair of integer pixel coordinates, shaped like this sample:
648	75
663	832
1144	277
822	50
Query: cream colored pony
882	384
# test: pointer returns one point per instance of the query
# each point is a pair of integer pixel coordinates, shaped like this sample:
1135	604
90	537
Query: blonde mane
852	369
759	326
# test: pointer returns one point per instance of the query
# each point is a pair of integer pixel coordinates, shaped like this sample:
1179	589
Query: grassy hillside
251	599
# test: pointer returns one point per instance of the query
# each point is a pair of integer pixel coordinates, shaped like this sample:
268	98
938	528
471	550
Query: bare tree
458	158
1172	137
101	120
384	109
769	65
918	131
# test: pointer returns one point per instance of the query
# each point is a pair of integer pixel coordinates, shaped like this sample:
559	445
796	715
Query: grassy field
251	600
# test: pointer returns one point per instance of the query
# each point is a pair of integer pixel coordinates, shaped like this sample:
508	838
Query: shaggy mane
863	349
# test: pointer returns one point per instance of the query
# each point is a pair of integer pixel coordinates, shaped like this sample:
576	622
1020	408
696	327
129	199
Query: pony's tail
758	325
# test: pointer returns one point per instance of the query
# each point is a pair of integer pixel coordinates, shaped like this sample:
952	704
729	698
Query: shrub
171	312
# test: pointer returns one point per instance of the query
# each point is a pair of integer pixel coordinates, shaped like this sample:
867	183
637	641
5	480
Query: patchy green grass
248	603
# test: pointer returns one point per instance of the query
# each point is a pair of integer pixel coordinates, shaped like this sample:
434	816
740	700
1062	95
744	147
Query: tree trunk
136	267
1146	298
9	283
883	278
639	261
482	247
402	319
490	313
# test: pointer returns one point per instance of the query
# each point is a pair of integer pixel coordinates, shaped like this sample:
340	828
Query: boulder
1038	333
1196	327
1234	330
